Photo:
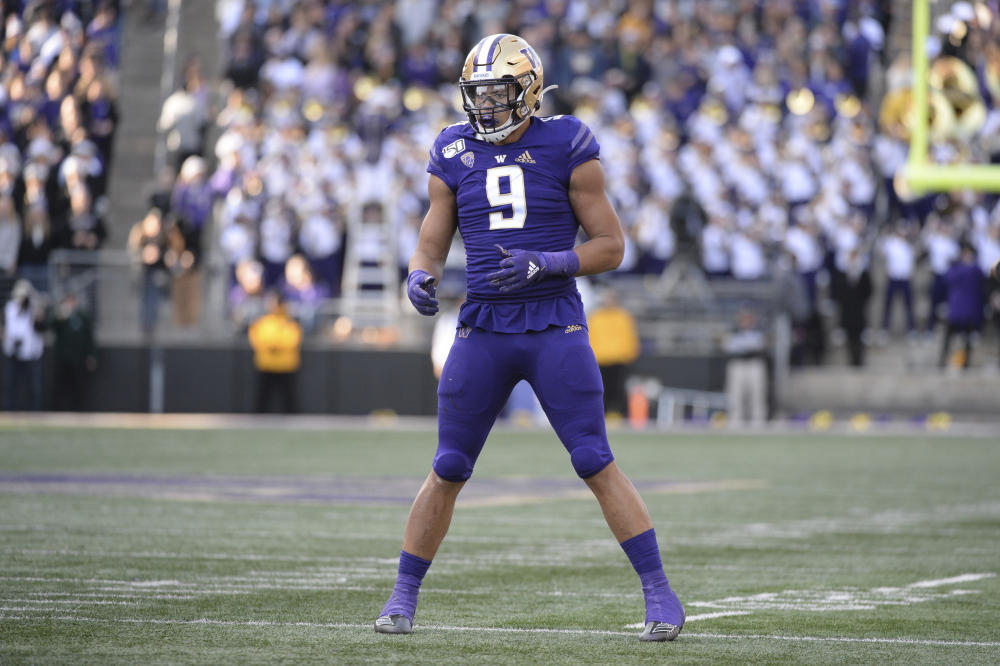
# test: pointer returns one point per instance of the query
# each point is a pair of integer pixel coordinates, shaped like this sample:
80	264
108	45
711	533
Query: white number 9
514	197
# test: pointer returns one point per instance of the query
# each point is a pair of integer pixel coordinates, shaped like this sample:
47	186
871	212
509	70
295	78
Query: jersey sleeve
583	145
436	161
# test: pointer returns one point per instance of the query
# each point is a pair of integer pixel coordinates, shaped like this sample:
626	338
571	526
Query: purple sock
404	594
662	605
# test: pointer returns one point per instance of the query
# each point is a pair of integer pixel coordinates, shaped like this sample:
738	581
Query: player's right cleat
660	631
393	624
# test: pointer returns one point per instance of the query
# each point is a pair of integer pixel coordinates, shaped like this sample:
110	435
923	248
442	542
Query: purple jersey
516	196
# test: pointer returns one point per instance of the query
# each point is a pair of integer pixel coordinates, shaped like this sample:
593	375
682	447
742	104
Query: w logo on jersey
500	158
525	158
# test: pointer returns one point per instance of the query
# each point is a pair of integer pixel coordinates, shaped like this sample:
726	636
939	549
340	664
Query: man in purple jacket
964	282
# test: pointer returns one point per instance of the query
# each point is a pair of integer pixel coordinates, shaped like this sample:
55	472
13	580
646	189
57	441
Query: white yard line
502	630
695	618
954	580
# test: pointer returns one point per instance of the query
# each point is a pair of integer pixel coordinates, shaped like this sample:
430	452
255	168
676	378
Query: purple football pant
482	369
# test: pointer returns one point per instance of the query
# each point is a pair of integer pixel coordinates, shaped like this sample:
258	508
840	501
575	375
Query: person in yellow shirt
276	339
615	340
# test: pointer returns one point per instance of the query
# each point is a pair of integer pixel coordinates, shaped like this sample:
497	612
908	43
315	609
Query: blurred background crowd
751	138
58	116
751	133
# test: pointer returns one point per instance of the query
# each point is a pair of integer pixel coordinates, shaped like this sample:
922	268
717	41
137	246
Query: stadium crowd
58	116
745	129
746	134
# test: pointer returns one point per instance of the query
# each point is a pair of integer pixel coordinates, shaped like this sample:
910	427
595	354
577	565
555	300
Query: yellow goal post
920	174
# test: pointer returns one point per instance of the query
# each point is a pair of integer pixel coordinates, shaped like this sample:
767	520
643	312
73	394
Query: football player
518	187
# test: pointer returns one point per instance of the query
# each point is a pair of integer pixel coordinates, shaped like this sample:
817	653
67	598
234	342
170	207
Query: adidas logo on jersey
532	269
525	158
573	328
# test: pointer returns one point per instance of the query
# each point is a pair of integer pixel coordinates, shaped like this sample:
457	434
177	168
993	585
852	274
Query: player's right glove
519	268
421	291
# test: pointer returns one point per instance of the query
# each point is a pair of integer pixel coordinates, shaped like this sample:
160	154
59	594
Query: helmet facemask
496	107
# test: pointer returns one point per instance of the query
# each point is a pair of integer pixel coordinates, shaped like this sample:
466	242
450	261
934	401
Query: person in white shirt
23	346
715	240
942	250
748	261
899	263
746	371
803	242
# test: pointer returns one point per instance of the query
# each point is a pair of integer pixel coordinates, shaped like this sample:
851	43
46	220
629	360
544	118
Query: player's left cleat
660	631
393	624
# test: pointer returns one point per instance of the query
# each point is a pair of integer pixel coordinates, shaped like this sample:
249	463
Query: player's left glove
520	268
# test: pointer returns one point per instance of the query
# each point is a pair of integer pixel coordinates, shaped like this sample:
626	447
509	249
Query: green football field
252	545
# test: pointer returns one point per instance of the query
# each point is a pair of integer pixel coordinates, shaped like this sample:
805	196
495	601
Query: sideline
393	422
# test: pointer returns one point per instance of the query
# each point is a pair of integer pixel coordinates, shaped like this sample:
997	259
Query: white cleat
393	624
660	631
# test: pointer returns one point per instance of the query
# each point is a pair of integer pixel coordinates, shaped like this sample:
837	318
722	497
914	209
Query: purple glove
519	268
421	291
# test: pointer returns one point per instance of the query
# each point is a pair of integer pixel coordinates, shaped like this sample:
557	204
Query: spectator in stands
85	228
900	258
942	250
614	337
74	351
303	295
183	118
245	61
247	297
23	347
747	254
965	304
852	290
10	237
100	113
277	239
715	244
804	242
36	245
147	246
276	340
746	371
104	34
190	207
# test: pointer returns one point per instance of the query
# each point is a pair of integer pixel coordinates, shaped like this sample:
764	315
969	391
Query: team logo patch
464	331
468	159
573	328
453	148
525	158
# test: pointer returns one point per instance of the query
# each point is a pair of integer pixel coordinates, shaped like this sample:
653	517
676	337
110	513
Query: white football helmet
502	73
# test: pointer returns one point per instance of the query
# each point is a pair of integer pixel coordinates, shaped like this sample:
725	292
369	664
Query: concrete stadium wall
331	381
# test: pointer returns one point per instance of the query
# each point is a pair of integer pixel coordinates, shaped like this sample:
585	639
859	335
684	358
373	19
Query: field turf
252	545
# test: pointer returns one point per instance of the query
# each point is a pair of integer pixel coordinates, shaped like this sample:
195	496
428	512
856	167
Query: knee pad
589	458
452	466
